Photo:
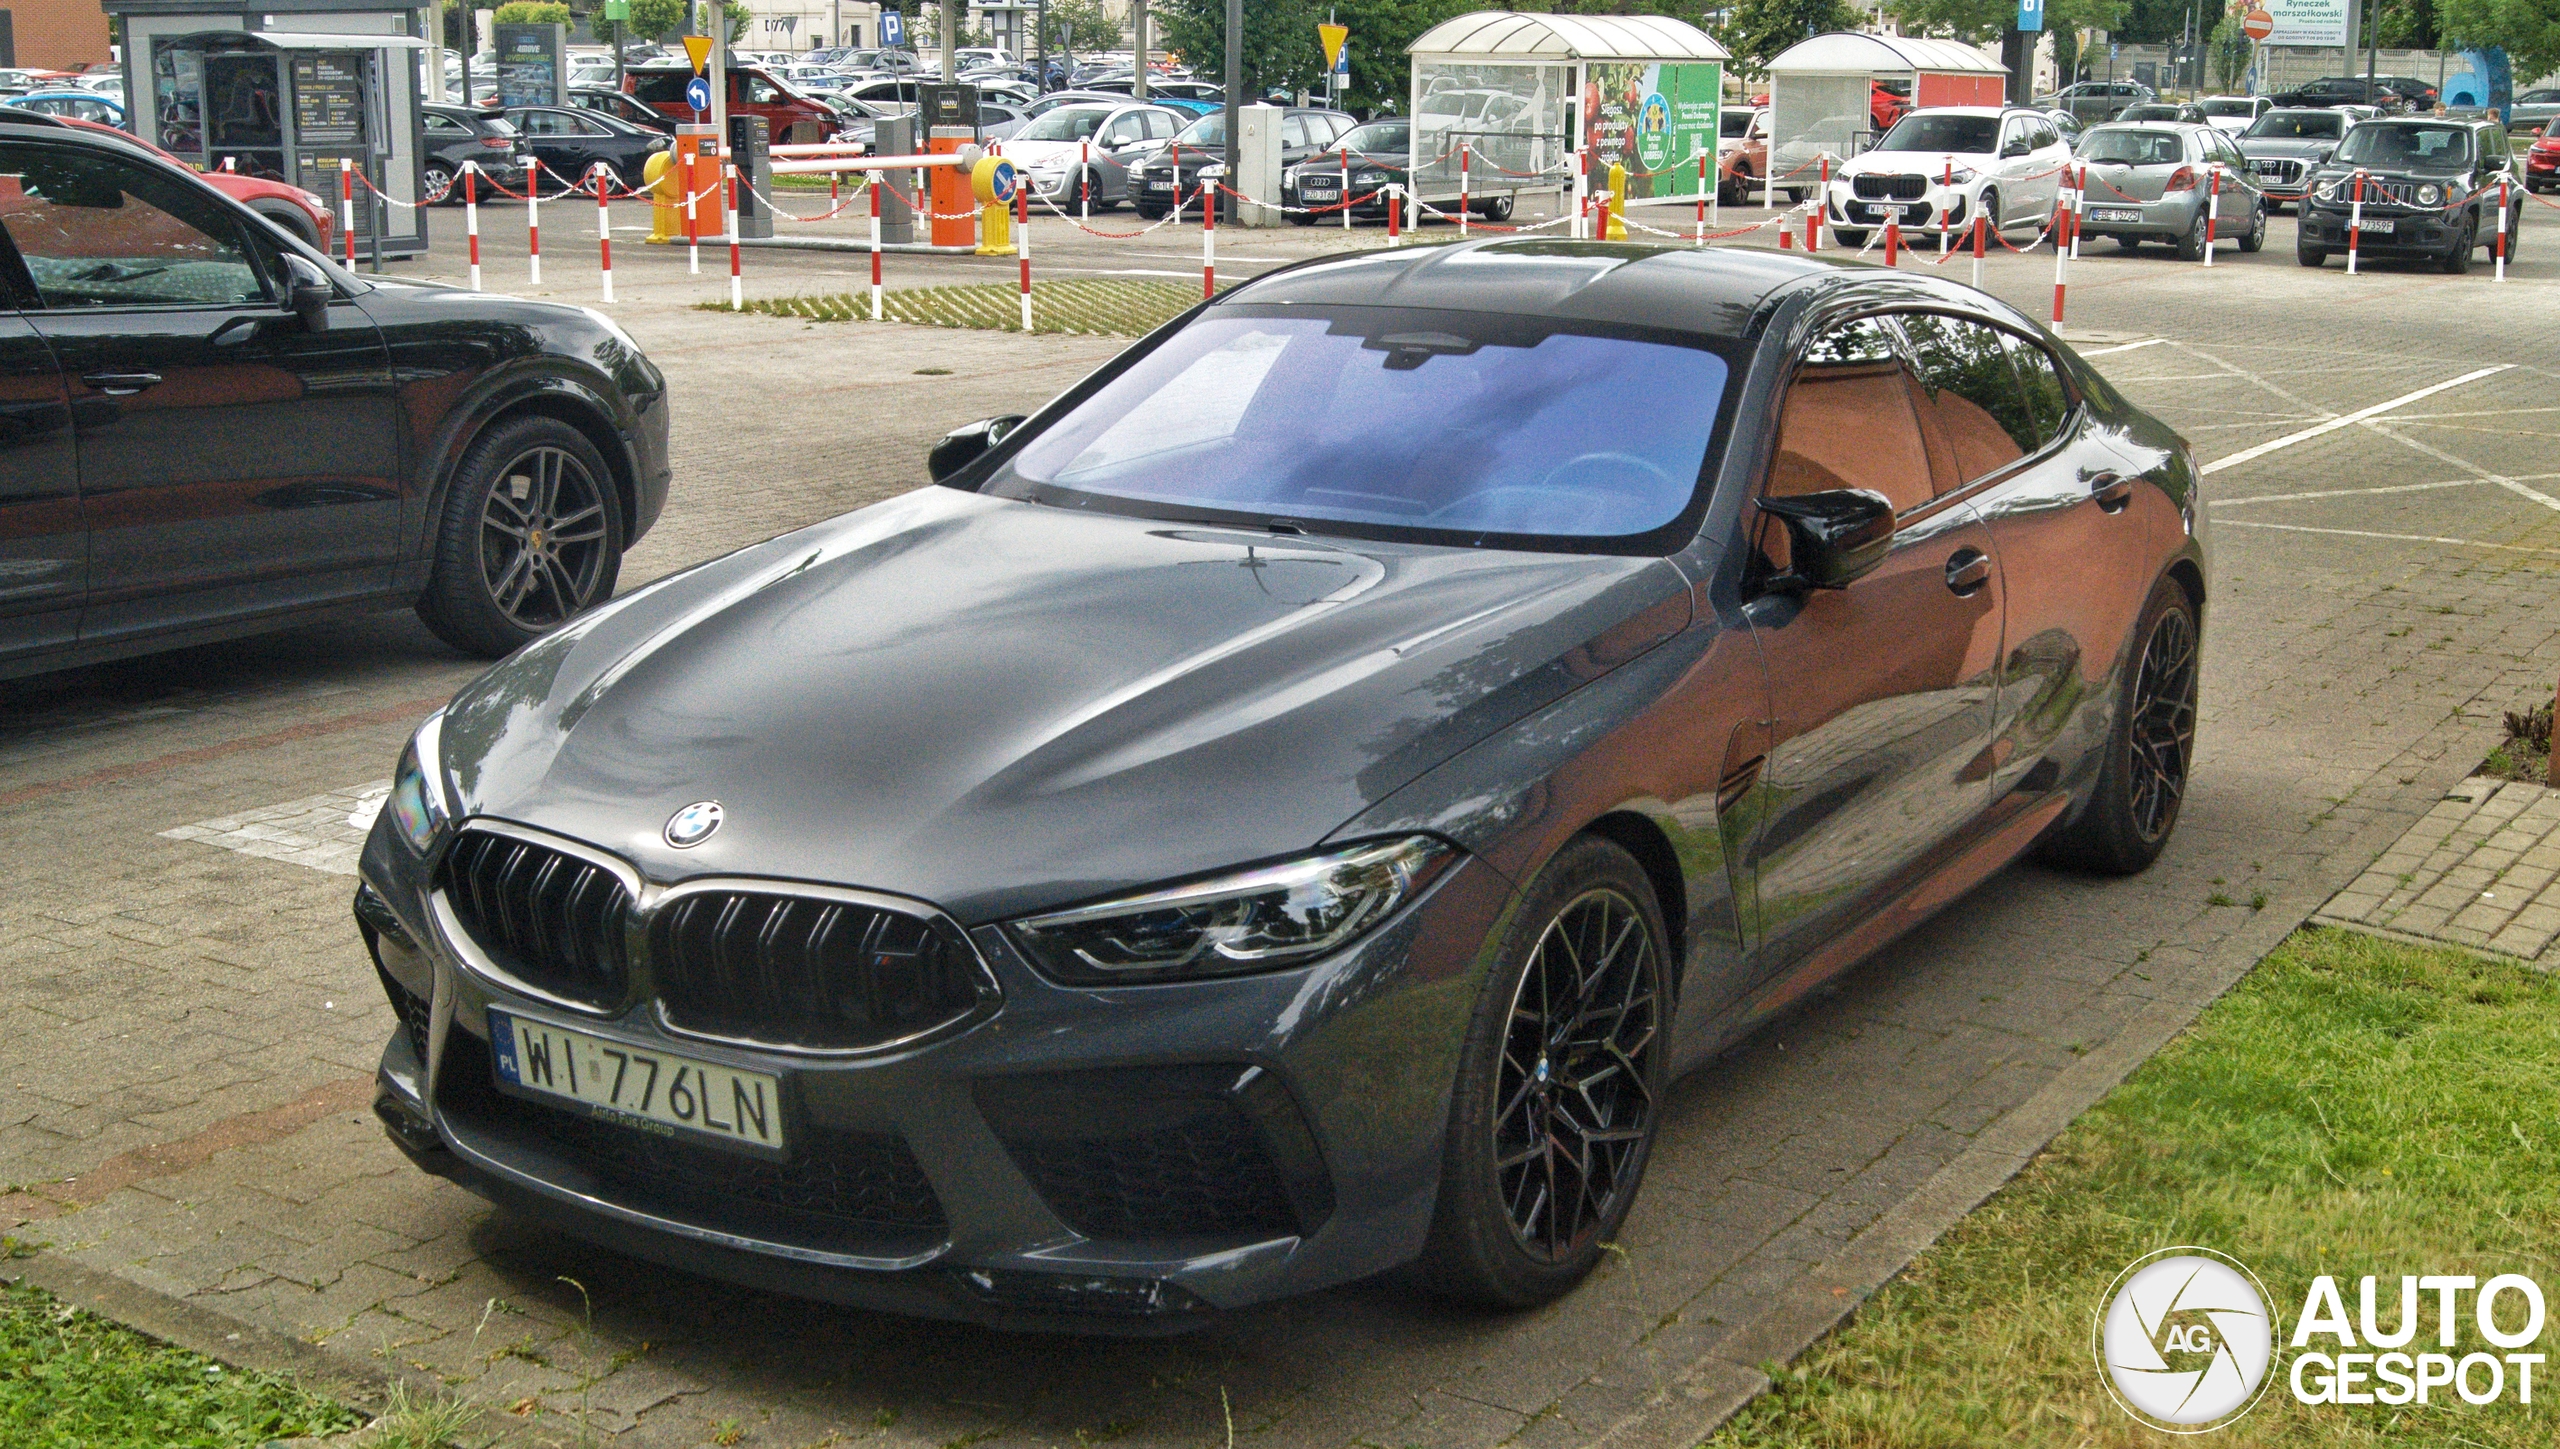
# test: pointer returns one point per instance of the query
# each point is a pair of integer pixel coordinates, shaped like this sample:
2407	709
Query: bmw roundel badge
694	824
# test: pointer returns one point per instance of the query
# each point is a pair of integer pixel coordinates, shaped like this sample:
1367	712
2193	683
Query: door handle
2112	490
1968	571
120	384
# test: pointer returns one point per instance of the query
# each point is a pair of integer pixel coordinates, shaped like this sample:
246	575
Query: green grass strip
2354	1106
1092	307
72	1380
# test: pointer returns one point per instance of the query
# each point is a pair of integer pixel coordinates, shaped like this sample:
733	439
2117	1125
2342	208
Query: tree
1756	30
2227	51
530	12
653	18
1280	49
1083	25
740	17
2529	30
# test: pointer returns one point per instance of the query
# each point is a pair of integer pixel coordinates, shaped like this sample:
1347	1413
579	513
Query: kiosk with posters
248	90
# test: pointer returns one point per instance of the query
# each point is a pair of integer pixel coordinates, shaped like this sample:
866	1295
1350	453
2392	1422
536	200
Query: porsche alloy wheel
532	536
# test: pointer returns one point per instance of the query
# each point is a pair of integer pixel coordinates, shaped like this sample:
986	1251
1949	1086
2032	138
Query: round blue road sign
697	93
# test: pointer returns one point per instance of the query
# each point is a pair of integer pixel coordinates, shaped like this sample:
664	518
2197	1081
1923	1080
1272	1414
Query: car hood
1000	706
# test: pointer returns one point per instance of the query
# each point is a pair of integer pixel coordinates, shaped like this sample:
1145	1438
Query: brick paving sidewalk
2477	870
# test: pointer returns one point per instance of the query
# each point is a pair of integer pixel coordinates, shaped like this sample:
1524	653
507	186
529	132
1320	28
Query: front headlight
1958	177
1256	920
417	806
1368	178
2430	194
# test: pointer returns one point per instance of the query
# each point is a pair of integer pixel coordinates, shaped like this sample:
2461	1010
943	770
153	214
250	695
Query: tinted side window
1293	132
2047	399
1971	394
98	231
1847	420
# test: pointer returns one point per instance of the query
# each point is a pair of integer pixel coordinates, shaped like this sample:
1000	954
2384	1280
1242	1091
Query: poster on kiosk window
1658	118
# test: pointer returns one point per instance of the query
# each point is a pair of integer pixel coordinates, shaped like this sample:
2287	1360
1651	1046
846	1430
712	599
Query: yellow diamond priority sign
1333	36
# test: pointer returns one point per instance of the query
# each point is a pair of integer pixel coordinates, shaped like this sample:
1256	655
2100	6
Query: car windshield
1317	418
2406	145
2133	148
1379	138
2300	125
2229	108
1209	130
1922	131
1076	123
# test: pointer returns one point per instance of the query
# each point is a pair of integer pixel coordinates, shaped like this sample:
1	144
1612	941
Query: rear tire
1989	208
2191	241
2150	752
1849	236
1495	209
1546	1090
291	220
531	537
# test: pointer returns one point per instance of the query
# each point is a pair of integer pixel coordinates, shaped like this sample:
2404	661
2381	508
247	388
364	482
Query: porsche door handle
120	384
1968	571
2112	490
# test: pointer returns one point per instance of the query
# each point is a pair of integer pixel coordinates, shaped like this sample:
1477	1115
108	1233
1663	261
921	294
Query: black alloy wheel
2256	236
1575	1104
1495	209
2142	783
1557	1098
532	536
2163	724
2457	258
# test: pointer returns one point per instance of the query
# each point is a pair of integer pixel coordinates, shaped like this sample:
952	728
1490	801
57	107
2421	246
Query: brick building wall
58	34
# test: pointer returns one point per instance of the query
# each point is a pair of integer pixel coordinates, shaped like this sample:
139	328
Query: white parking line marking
2395	537
2382	426
325	832
2347	492
2124	347
2359	415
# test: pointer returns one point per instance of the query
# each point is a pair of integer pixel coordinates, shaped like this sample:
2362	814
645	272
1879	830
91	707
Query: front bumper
1938	206
2419	233
912	1189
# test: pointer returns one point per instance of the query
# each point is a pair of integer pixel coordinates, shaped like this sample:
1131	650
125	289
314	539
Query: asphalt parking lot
188	1024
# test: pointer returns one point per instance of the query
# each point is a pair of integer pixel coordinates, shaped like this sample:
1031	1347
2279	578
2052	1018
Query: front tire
2143	780
2457	261
2256	236
435	179
2307	254
1498	209
1849	236
1554	1112
531	537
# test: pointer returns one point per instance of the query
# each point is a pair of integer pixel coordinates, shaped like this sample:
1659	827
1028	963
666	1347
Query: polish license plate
1159	186
2381	225
2116	214
642	1088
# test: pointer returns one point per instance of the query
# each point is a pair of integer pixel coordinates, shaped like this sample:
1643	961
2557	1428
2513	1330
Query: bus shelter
251	92
1823	93
1525	102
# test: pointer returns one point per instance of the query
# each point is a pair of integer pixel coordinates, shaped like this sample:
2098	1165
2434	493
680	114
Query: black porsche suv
2429	189
208	429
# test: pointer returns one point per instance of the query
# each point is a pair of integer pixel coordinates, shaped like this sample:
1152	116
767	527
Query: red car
789	114
2542	163
300	213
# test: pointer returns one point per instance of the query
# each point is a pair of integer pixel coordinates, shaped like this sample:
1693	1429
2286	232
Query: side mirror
1835	536
307	293
963	446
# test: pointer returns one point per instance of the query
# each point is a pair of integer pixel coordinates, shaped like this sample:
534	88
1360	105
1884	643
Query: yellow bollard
992	181
658	174
1617	201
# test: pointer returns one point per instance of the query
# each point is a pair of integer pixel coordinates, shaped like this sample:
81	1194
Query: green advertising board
1658	119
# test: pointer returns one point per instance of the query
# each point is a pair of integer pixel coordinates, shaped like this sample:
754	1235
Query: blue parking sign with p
2031	15
893	30
697	93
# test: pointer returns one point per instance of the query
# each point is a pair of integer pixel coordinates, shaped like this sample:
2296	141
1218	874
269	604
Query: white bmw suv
1946	165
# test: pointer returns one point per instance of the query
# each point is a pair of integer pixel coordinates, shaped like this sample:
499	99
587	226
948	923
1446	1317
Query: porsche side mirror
307	293
963	446
1835	536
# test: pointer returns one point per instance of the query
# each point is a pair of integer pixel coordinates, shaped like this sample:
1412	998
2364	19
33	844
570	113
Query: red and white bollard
347	207
1022	240
471	215
1581	192
1981	239
1395	211
2061	261
1346	194
2355	222
692	216
1209	239
1174	159
604	225
1600	214
1821	207
1702	199
2079	209
1812	226
533	218
874	184
2502	229
2212	211
1466	154
729	204
1946	184
1084	182
1893	243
